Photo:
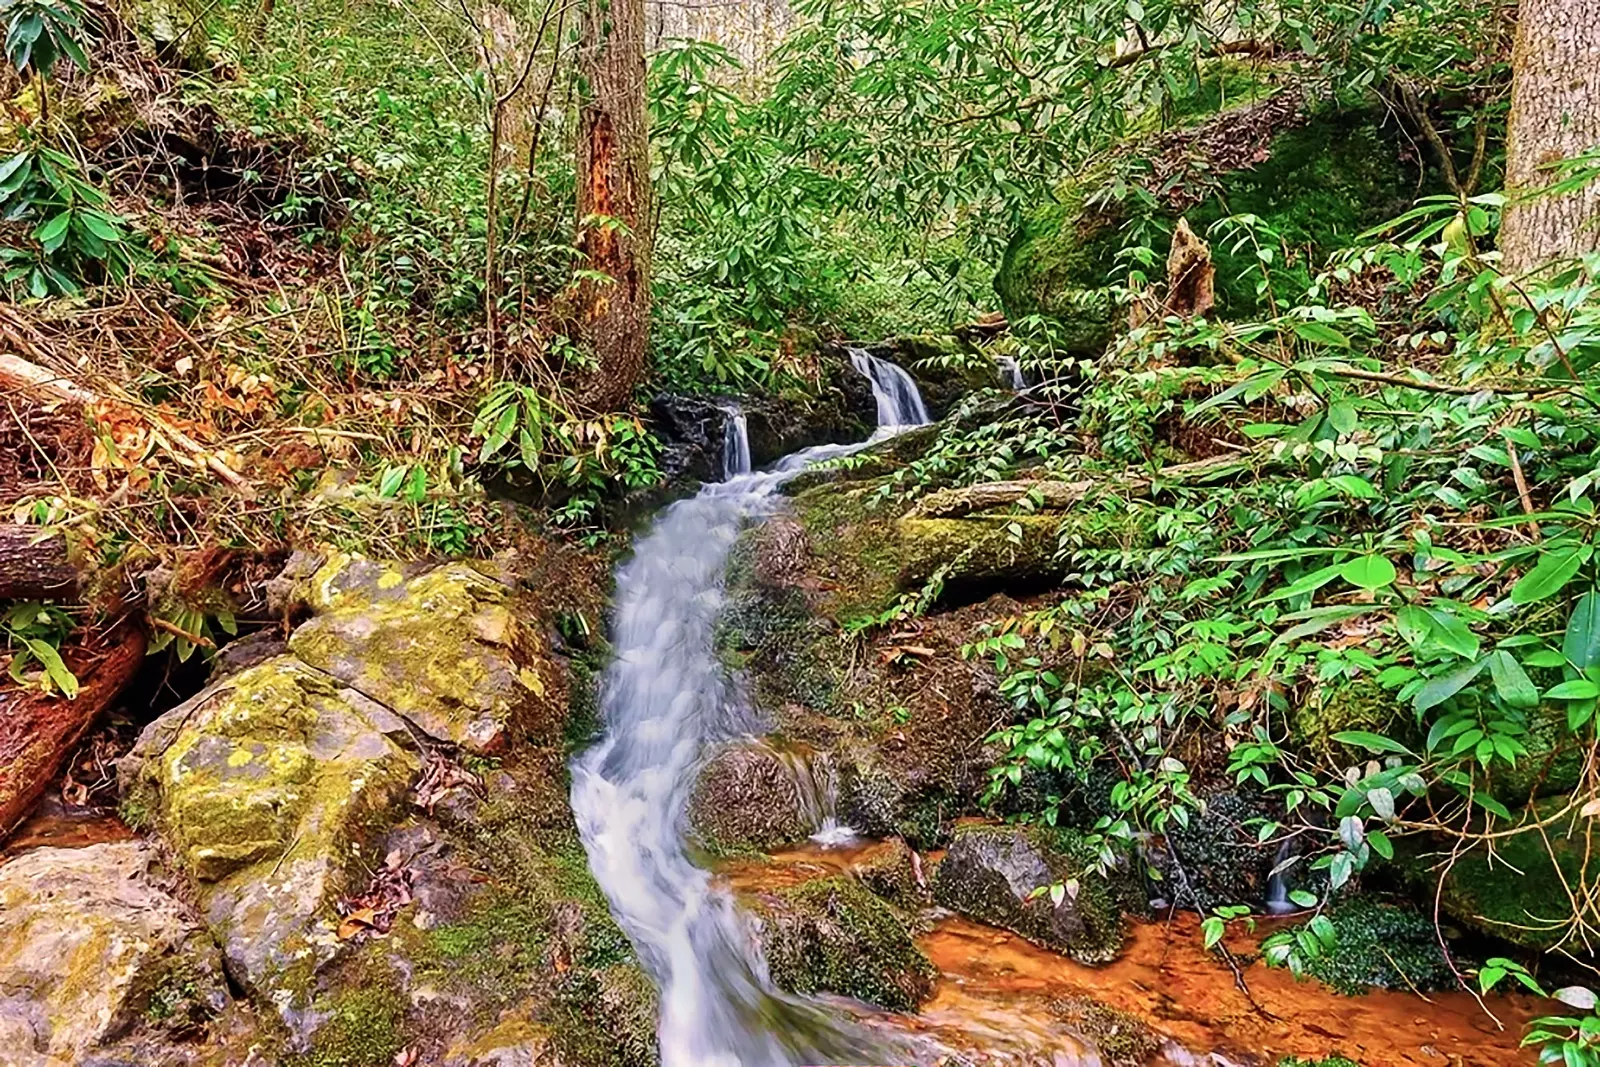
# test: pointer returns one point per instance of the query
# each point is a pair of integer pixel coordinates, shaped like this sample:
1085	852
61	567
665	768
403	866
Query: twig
177	631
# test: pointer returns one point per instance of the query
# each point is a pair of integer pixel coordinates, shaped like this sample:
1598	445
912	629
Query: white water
1011	370
664	698
899	403
735	442
1278	902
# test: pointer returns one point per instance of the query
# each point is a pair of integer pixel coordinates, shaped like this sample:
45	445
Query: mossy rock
1553	765
1122	1040
1357	704
834	936
994	874
752	797
446	649
1381	946
607	1018
267	785
893	872
1326	177
1520	894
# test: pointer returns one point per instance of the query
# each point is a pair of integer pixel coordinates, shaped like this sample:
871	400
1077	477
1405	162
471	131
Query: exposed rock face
266	785
442	648
833	936
991	873
88	942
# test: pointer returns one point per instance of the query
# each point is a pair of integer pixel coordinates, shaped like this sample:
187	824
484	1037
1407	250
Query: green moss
834	936
365	1028
1521	895
854	538
1358	704
1121	1039
607	1018
1383	946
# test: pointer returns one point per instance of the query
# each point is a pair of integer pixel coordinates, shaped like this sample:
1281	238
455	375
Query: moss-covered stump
1315	175
1520	894
752	797
90	949
443	648
993	873
833	936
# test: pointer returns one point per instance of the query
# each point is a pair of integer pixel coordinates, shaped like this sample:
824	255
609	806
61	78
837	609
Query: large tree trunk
614	184
1555	115
38	731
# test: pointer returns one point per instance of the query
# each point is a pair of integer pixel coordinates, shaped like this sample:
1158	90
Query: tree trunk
1555	115
38	731
616	230
34	568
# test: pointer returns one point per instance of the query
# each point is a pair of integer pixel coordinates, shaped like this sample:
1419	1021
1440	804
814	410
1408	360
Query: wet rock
266	785
751	797
515	1040
90	947
895	873
444	649
1122	1040
833	936
991	873
1223	862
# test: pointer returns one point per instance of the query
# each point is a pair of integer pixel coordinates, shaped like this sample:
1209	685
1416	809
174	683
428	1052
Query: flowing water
665	699
1011	371
899	403
735	442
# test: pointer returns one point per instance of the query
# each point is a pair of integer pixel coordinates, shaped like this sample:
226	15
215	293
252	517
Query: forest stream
666	698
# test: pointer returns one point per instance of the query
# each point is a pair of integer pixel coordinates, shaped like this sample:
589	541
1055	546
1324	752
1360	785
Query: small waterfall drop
899	403
735	442
1278	902
1011	372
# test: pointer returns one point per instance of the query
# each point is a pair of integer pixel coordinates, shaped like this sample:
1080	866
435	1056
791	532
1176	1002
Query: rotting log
39	730
34	565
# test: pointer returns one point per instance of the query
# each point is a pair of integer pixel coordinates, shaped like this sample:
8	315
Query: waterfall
899	403
735	442
1278	902
1011	372
663	699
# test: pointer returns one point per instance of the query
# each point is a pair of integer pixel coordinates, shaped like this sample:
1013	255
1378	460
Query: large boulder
834	936
445	649
90	947
266	785
995	874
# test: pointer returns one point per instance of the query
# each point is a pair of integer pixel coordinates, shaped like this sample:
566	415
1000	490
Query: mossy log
39	730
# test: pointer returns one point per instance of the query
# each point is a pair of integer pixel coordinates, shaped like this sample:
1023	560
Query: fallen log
1046	495
34	565
38	730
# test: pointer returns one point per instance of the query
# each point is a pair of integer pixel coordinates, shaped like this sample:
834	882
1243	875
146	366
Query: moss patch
364	1029
833	936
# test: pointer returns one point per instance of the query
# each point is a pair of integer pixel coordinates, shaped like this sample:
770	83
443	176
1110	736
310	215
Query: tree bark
616	230
1555	115
32	568
38	731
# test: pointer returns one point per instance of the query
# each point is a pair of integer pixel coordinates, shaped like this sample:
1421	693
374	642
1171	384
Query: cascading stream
664	698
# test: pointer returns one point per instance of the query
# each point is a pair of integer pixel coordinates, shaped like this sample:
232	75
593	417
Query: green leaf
1555	569
1321	334
1303	898
1451	632
1511	681
1342	417
1413	624
62	678
1442	688
1581	645
1370	741
1368	572
52	233
1355	486
1576	689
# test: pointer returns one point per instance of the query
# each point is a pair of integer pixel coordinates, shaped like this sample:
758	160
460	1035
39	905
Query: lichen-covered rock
266	785
89	945
833	936
754	797
443	648
992	873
